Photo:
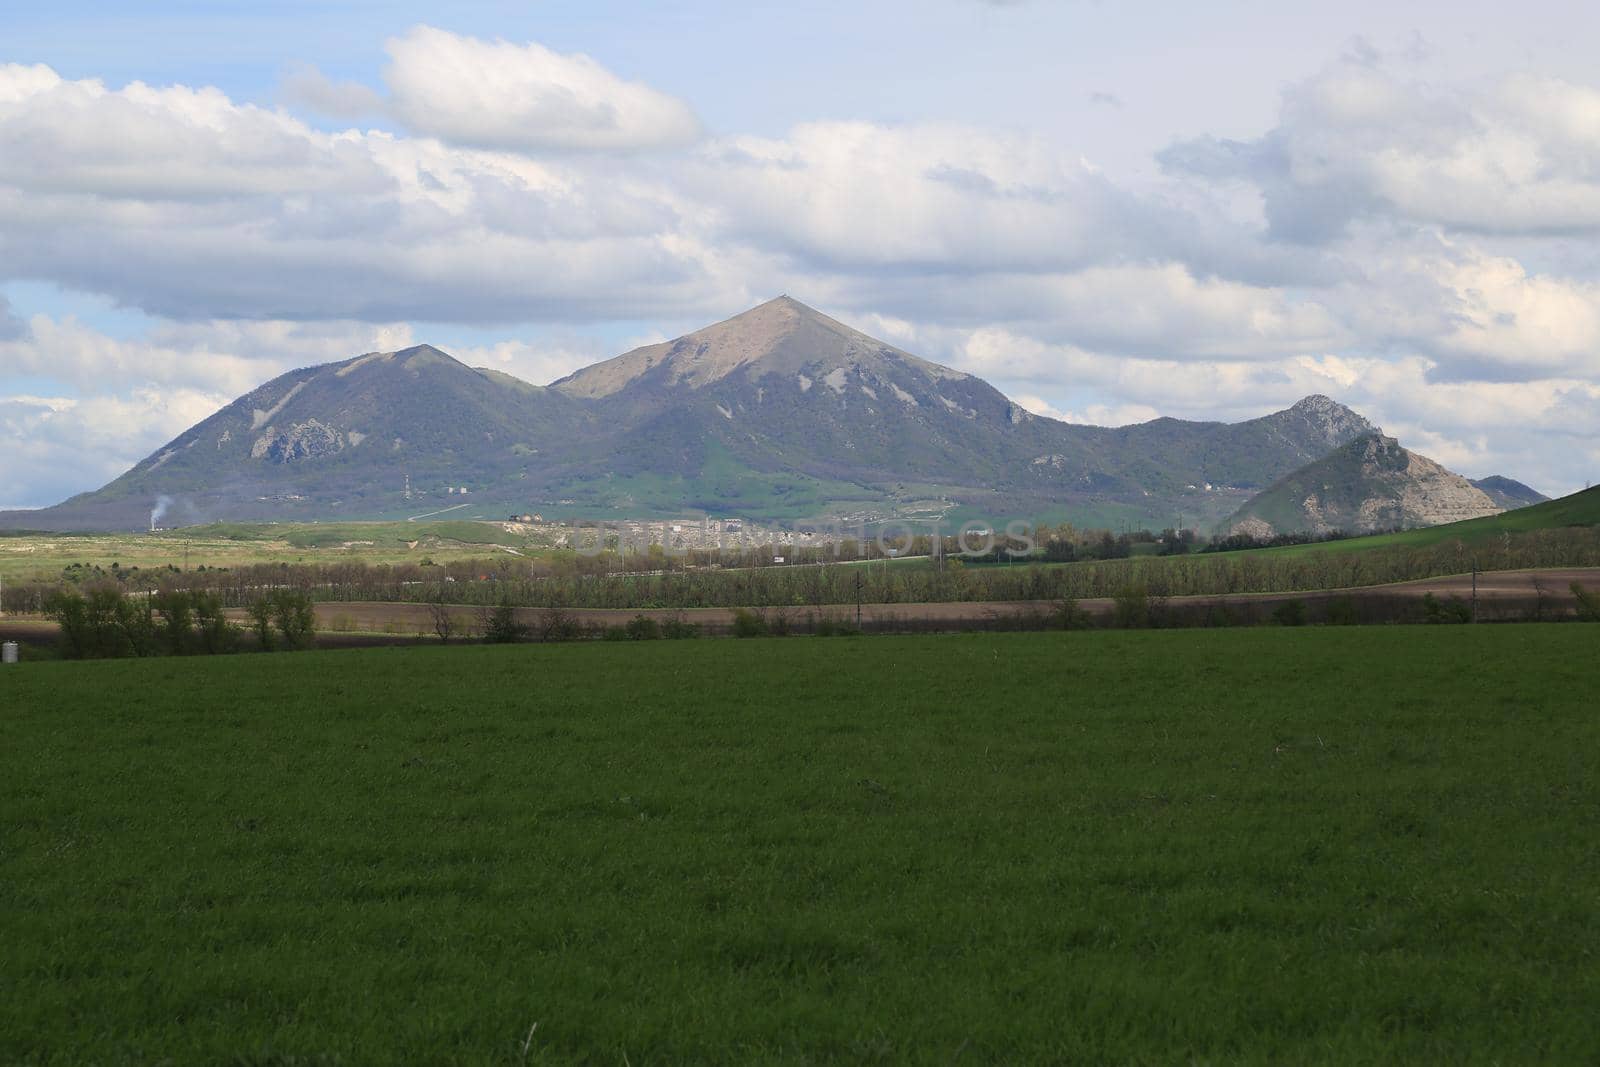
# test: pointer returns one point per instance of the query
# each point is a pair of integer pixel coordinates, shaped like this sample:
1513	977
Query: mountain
339	439
1368	485
778	414
1508	494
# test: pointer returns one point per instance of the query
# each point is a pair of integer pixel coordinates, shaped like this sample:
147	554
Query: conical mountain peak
781	336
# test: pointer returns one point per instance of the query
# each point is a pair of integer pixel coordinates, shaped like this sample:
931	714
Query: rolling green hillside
1579	509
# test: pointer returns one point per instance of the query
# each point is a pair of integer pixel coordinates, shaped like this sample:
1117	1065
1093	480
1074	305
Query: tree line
105	621
568	580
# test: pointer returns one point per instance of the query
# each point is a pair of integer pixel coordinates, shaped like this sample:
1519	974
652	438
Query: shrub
501	626
260	610
1290	613
1342	611
642	628
1455	609
614	633
826	627
1070	616
212	628
295	617
747	623
678	630
103	624
176	608
71	614
557	624
1588	603
1133	607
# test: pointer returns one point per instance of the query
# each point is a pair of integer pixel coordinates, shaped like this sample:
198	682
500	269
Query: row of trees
534	583
105	622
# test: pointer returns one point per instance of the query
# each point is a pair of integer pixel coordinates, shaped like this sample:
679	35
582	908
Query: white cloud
537	362
95	438
862	195
1356	141
230	357
1420	252
308	87
495	94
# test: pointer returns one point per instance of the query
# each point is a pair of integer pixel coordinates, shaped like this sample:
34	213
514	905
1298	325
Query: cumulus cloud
217	358
857	195
495	94
96	438
185	204
1417	251
1521	157
308	87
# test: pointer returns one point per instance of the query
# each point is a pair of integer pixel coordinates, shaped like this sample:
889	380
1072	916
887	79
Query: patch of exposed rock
303	440
1368	485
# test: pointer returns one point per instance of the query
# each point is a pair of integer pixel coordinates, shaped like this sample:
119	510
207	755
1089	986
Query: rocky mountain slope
1370	484
778	414
1507	493
339	439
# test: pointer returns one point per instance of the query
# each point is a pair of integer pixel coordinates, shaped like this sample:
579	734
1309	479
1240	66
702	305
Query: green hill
1579	509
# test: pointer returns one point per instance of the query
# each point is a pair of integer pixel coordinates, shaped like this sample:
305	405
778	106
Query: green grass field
1579	509
34	555
1321	845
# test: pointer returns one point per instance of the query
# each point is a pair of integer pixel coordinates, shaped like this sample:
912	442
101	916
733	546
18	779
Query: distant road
441	511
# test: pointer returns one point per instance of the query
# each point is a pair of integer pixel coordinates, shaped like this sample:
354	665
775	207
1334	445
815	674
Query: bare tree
444	623
1588	603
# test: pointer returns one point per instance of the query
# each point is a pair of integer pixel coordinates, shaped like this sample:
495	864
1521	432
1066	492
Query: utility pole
858	598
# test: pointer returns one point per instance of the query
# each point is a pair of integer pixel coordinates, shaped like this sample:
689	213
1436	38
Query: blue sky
1111	211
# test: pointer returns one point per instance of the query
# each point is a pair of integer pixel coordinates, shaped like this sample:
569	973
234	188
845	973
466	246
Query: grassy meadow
38	555
1280	845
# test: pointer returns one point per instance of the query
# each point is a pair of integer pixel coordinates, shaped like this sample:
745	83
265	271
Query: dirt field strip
1500	594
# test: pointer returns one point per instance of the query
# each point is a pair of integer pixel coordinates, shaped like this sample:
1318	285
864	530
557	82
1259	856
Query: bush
1342	611
1290	613
557	624
642	628
295	617
176	608
1454	610
826	627
678	630
747	623
501	626
1133	607
103	625
1069	616
614	633
1588	603
212	629
260	610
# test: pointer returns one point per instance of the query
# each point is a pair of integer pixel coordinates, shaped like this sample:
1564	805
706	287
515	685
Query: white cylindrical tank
8	652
